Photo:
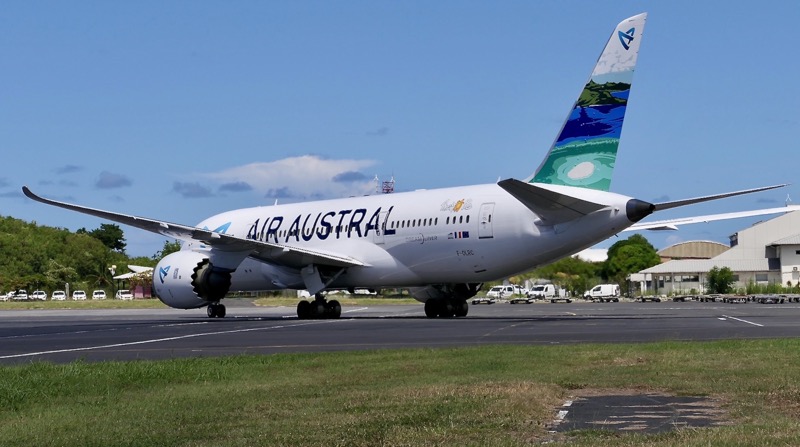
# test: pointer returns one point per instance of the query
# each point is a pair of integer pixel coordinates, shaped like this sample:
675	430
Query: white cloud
306	176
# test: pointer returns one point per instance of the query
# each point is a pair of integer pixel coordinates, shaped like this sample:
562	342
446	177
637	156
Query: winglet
585	150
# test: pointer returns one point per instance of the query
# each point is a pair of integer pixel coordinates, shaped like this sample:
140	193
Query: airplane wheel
462	308
431	308
334	309
317	309
446	309
304	310
215	311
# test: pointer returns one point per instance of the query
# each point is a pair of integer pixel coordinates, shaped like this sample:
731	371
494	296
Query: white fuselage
454	235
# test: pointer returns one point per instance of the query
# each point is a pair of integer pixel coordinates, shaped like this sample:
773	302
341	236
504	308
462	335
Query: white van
603	292
542	291
500	292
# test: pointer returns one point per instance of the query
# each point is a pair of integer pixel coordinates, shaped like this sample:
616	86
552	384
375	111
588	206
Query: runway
99	335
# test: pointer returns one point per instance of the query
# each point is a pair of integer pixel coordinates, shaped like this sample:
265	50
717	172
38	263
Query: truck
603	292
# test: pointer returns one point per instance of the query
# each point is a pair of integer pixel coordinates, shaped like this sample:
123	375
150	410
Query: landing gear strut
446	308
320	308
216	310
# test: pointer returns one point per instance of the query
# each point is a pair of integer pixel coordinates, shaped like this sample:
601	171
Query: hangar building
767	252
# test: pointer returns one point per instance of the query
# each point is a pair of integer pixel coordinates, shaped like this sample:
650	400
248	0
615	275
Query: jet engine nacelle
188	279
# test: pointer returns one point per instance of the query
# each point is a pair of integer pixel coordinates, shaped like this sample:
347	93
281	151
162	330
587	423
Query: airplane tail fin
585	150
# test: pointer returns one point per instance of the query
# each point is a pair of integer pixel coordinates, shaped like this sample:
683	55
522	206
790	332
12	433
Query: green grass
88	304
493	395
156	304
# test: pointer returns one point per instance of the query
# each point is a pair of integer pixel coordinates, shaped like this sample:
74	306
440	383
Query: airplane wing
264	251
550	206
672	224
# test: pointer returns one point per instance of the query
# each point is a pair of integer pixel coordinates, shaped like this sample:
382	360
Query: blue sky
179	110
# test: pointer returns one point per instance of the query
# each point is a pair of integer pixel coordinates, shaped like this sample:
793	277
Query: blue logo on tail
162	273
626	37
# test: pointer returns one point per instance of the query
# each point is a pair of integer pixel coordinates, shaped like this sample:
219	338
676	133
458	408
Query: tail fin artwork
585	150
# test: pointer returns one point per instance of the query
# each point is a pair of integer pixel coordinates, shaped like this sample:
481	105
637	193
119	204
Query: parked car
78	295
21	295
39	295
124	295
6	296
99	295
58	295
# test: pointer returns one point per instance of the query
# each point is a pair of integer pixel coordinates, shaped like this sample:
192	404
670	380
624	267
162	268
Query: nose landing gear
216	310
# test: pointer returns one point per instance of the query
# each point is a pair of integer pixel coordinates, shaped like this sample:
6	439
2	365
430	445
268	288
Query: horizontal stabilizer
667	205
672	224
552	207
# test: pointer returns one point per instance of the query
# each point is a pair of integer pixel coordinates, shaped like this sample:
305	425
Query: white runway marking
743	321
562	414
159	340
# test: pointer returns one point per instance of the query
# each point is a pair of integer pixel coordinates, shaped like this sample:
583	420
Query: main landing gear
320	308
216	310
446	307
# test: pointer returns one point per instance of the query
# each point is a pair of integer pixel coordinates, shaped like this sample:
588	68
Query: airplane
440	244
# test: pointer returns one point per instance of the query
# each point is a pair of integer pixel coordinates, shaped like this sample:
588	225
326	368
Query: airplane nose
638	209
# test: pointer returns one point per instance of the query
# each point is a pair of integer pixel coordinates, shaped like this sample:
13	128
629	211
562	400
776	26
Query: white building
767	252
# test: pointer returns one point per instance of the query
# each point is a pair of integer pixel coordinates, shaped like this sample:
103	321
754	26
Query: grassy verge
494	395
156	304
88	304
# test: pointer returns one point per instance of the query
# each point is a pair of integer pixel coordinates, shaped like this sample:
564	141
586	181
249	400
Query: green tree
110	235
720	280
45	257
629	256
571	273
56	275
169	247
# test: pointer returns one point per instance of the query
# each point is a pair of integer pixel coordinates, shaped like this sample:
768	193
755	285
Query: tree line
40	257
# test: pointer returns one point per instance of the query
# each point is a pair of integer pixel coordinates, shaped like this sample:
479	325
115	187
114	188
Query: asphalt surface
99	335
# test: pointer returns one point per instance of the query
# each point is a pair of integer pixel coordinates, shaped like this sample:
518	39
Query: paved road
96	335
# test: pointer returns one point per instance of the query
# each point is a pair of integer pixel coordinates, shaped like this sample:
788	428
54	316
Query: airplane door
380	232
485	221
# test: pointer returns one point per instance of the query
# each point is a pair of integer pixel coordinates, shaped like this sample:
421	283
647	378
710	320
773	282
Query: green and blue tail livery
585	150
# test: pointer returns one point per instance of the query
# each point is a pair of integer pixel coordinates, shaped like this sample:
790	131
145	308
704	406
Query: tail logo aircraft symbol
626	37
162	273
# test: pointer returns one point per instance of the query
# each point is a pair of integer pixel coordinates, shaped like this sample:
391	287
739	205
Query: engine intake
188	279
209	282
